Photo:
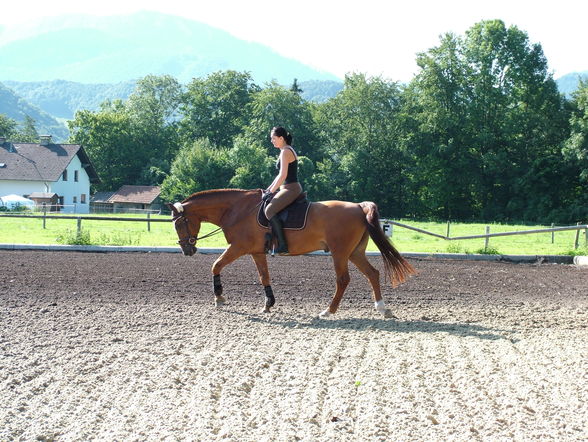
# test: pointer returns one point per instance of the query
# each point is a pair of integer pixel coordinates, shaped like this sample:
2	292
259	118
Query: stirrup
280	251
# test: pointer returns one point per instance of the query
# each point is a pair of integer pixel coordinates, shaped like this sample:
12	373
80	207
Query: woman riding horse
285	184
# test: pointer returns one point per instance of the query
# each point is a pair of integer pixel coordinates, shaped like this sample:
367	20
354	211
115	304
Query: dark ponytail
279	131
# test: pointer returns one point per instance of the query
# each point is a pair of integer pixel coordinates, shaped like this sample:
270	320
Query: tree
217	107
153	111
198	166
108	139
278	106
28	133
253	168
576	146
295	87
361	133
7	127
489	110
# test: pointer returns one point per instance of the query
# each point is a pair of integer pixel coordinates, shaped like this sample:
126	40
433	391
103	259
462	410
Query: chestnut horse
343	228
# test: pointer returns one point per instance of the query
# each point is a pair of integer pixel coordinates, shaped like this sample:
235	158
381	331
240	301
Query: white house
48	168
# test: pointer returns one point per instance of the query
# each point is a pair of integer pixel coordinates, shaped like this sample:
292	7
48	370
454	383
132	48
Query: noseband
185	238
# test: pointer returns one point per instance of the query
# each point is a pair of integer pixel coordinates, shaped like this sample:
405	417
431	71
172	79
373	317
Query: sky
375	37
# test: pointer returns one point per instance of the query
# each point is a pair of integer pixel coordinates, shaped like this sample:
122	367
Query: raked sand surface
131	347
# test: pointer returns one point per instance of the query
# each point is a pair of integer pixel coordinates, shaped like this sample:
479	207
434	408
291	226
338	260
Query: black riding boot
278	230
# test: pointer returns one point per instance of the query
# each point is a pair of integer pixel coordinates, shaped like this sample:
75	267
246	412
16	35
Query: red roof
135	194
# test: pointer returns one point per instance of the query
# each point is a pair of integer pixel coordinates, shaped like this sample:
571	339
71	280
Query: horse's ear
173	209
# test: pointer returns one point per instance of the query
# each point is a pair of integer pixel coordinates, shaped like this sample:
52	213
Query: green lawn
62	231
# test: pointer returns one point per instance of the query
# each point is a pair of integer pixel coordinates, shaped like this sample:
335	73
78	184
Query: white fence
387	226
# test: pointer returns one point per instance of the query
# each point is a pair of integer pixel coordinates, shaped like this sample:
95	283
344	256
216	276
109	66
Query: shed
44	198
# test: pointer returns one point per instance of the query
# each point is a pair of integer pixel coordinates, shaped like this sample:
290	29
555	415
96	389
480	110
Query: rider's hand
266	195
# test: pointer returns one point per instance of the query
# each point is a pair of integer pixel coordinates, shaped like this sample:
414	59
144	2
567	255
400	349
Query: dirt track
131	347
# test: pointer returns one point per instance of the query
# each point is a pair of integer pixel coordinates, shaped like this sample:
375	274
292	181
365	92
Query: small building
128	199
48	168
46	200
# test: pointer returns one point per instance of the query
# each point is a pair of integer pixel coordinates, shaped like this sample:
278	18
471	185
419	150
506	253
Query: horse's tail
397	268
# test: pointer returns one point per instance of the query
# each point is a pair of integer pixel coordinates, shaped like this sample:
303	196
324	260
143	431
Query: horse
341	227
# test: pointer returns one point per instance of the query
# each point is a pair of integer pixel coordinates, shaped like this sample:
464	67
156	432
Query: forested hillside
62	98
18	109
122	48
569	83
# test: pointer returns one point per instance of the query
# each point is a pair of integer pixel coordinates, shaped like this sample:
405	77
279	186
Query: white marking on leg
380	306
324	314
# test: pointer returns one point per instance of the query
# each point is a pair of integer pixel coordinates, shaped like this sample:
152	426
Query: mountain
570	82
320	91
62	98
120	48
16	108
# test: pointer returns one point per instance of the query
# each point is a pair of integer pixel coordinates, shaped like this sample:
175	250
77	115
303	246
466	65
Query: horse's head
186	228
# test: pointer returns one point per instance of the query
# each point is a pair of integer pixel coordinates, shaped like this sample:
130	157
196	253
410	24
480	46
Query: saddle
293	216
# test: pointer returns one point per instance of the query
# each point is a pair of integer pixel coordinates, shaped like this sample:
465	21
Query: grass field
64	231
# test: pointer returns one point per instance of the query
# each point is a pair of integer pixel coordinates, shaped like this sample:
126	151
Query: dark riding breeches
283	198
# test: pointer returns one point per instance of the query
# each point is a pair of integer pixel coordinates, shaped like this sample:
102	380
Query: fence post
148	222
552	234
44	214
79	226
487	240
577	241
448	224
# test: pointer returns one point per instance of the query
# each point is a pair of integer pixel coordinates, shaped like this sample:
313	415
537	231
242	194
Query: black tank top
292	176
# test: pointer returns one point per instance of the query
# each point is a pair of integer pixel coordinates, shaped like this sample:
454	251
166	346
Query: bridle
186	238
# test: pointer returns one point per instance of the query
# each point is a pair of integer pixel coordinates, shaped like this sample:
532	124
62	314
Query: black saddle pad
293	217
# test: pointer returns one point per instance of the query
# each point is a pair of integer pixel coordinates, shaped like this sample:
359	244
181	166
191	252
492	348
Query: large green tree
153	110
489	111
276	105
108	139
217	107
365	158
198	166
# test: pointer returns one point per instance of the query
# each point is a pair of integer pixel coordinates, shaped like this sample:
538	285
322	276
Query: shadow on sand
384	325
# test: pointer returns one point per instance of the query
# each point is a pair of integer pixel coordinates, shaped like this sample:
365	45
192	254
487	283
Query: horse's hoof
266	310
325	314
388	314
219	301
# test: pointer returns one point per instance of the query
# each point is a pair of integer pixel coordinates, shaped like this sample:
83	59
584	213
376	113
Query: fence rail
489	235
486	236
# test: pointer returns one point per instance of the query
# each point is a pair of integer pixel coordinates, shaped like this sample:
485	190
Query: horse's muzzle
189	249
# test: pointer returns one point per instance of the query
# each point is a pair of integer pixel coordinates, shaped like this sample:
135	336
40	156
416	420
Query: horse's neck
214	207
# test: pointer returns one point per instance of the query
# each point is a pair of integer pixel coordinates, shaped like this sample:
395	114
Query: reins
209	234
191	239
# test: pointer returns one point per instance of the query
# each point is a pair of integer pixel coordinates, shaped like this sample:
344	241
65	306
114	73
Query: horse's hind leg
372	274
261	264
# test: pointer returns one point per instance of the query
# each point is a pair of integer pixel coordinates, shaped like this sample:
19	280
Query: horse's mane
214	192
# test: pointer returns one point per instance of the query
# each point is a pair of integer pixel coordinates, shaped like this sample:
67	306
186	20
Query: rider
285	184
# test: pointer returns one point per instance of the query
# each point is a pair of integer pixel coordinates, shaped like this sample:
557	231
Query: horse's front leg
227	257
260	260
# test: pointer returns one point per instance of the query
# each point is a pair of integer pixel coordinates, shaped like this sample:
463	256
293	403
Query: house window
83	198
65	175
76	176
75	199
